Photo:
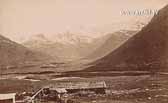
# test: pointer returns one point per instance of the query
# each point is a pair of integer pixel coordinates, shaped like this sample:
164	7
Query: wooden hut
72	87
7	98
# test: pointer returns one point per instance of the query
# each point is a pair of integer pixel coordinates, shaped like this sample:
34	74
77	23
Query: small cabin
73	87
7	98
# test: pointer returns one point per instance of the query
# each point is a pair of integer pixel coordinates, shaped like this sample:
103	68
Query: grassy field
132	89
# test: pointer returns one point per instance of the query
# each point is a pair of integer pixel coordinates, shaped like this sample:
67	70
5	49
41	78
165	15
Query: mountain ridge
113	41
145	51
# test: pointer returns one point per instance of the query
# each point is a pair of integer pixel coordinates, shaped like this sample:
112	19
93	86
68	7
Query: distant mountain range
39	48
145	51
68	46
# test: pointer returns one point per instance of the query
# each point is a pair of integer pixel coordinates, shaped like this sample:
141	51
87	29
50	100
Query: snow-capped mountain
70	38
64	46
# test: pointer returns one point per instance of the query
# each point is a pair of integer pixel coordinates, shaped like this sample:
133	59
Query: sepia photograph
83	51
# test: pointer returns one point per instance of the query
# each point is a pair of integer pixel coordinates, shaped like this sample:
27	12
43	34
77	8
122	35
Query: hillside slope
12	53
146	51
113	42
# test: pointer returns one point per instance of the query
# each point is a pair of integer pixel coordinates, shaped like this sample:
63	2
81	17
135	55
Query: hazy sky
24	18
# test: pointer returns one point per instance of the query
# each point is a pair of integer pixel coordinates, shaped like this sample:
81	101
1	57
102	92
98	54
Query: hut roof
80	85
59	90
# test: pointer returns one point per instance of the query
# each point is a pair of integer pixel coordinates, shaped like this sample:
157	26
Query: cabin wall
6	101
96	90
